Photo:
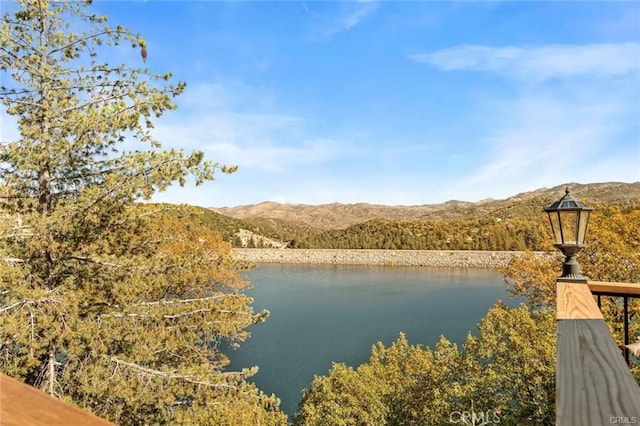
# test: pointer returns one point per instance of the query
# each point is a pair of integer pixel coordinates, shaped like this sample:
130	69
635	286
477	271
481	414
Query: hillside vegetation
263	232
519	226
516	223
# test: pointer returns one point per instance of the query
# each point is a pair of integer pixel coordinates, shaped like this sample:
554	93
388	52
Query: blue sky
395	102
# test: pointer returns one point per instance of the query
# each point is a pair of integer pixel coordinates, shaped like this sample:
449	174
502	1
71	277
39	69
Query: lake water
321	314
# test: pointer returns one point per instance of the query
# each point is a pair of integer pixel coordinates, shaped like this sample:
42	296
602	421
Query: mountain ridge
339	215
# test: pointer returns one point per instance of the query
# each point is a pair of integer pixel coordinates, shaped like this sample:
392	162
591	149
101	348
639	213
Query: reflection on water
325	313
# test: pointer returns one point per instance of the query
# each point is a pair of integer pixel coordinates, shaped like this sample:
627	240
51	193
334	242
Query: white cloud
244	130
274	159
351	15
539	62
357	16
546	130
537	138
568	116
546	139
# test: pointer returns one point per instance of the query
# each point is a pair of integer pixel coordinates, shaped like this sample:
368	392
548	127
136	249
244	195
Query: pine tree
99	304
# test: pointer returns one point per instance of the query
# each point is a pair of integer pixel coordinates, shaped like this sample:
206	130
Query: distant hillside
240	233
516	223
325	216
300	218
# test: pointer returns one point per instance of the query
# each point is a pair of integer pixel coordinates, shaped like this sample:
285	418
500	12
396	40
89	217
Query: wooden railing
624	290
22	405
593	383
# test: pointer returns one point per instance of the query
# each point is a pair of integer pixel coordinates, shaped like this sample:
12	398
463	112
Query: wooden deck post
593	383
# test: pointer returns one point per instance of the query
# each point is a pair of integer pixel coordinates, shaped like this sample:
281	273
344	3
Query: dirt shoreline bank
441	258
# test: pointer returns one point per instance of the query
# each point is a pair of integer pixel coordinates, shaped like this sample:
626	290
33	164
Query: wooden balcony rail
624	290
614	289
593	383
21	405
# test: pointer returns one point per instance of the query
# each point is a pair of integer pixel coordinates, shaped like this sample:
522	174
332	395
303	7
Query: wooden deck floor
23	405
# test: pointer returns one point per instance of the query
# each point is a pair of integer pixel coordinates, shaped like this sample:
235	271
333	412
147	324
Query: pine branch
6	237
86	38
15	92
23	102
172	376
95	68
95	101
155	211
110	191
144	214
17	59
26	302
18	231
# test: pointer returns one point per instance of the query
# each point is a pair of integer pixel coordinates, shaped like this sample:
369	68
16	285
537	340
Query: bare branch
26	302
8	308
197	326
228	311
24	234
174	301
102	263
121	315
13	260
185	314
181	315
171	376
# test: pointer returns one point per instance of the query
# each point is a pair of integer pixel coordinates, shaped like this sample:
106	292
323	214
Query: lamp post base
571	271
573	279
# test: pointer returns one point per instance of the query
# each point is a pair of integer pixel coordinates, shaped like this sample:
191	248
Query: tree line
522	226
459	234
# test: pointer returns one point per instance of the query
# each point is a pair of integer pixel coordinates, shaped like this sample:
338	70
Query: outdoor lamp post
569	219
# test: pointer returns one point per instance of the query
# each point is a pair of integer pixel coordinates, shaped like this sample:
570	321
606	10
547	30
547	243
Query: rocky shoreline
441	258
